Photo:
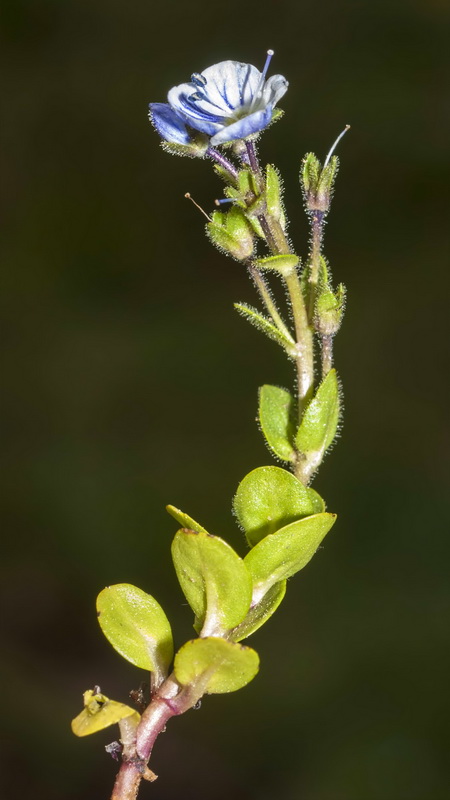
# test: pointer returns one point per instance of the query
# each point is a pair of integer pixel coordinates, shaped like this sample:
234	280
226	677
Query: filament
347	128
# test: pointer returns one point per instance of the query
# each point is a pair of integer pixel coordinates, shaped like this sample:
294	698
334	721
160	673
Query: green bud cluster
318	182
330	304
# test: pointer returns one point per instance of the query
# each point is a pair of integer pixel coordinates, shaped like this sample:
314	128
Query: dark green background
130	382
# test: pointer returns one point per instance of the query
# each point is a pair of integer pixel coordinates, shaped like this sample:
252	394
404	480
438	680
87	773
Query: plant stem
267	299
134	767
317	221
224	162
327	355
170	700
278	244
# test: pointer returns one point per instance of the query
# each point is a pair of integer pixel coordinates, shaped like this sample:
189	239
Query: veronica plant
218	115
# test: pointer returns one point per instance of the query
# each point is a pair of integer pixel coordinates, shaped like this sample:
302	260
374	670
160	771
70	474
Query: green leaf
275	417
285	264
214	581
100	712
137	627
282	554
268	499
185	520
217	665
266	325
319	423
260	612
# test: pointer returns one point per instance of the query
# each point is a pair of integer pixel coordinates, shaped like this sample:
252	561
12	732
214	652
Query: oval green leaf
137	627
100	712
268	499
185	520
276	420
260	612
214	580
287	551
215	665
319	423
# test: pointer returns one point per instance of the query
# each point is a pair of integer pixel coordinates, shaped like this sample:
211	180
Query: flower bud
329	310
231	232
317	182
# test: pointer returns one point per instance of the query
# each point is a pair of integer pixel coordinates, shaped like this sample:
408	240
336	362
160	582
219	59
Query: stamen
347	128
198	79
188	197
262	79
196	96
222	200
270	53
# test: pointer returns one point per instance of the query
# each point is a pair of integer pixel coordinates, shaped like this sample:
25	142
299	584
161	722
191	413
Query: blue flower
227	101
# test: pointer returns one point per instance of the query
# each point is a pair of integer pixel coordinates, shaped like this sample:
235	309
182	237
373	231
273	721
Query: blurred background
130	382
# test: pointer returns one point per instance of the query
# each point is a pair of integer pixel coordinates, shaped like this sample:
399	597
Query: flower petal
274	89
198	113
231	84
169	124
243	127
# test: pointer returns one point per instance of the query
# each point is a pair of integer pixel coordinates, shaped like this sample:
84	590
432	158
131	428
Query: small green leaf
260	612
217	665
319	423
268	499
100	712
137	627
285	264
276	419
282	554
266	325
214	581
185	520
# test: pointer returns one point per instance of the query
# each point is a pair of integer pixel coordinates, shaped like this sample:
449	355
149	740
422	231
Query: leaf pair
269	498
316	431
136	626
218	586
284	522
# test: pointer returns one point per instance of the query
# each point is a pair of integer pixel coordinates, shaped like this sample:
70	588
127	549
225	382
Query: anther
188	197
347	128
198	79
196	96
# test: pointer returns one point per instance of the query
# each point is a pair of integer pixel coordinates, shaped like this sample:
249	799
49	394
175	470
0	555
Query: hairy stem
317	222
278	244
267	299
327	355
223	161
